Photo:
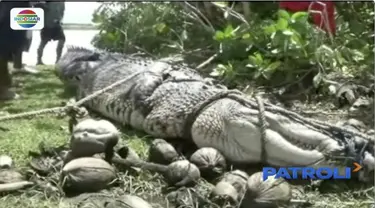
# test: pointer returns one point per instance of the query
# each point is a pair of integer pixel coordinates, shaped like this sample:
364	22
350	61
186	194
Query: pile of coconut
90	164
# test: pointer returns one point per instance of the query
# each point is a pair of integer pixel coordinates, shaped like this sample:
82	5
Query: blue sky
79	12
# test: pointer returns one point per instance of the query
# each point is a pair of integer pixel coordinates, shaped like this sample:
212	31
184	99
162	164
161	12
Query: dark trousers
17	59
5	79
11	41
51	33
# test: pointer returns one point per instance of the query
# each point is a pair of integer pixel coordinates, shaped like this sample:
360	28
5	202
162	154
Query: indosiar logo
310	173
27	18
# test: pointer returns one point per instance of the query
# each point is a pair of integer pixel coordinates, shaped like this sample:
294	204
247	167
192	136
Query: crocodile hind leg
234	130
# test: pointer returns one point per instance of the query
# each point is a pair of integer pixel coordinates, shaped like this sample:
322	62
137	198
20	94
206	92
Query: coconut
91	137
87	174
10	176
270	193
128	201
178	173
210	162
162	152
182	173
5	161
189	197
128	153
232	187
45	165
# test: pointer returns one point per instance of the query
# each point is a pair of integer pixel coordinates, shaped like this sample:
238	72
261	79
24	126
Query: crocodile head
75	63
288	142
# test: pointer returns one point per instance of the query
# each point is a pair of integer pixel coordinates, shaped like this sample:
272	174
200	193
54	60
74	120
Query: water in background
73	37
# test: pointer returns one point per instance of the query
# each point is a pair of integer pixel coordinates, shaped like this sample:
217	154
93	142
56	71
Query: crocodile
162	101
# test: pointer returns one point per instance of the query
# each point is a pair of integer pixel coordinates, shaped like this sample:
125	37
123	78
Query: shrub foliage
269	46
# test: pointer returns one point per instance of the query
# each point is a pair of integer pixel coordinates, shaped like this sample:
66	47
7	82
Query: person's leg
17	60
43	42
29	39
60	44
18	65
5	81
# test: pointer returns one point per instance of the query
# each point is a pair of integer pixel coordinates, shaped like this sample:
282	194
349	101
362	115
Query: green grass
44	90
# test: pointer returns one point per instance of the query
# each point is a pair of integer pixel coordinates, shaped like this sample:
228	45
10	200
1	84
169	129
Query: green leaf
274	65
228	31
283	14
282	24
253	61
357	55
297	40
356	27
258	58
339	57
257	74
215	73
219	36
246	36
250	66
267	74
277	38
317	79
218	71
111	36
269	29
288	32
275	51
324	49
300	16
160	27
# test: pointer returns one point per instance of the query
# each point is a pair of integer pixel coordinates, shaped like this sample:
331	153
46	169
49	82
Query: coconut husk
87	175
210	162
128	153
162	152
178	173
87	200
182	173
45	165
189	197
128	201
231	187
10	176
5	161
270	193
91	137
223	192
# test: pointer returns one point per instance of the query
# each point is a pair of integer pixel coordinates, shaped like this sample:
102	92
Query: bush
271	46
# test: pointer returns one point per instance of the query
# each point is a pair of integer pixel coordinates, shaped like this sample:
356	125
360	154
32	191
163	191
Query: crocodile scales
159	100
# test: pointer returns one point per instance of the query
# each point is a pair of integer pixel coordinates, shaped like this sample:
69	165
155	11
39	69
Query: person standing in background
11	42
53	15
